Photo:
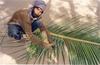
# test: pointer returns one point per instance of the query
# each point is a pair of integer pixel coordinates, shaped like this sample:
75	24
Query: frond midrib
75	39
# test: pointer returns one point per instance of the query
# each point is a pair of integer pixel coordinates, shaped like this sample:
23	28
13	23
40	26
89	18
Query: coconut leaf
81	43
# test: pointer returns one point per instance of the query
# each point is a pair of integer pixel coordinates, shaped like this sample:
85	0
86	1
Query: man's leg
35	25
15	31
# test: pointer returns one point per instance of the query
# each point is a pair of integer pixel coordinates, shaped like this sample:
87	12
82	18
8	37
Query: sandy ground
11	51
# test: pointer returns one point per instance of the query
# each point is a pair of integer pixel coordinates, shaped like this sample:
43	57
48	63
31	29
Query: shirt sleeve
44	31
28	30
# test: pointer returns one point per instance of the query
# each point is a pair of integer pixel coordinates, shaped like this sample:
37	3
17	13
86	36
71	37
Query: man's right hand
44	44
47	45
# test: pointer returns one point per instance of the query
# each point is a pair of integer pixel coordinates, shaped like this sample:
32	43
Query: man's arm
28	30
45	33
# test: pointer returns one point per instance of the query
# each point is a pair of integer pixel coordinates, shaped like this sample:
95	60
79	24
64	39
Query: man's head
38	8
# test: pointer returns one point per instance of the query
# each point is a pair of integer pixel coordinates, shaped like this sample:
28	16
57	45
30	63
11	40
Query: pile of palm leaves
73	44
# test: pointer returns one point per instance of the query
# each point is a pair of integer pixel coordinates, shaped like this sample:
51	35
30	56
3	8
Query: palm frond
83	35
79	44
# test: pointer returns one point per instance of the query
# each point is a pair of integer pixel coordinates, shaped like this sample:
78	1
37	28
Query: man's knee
13	31
36	24
17	36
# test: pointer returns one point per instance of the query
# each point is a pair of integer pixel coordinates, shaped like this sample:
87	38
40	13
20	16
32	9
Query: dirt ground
59	10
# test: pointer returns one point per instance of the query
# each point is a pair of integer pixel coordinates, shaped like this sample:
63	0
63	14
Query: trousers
16	31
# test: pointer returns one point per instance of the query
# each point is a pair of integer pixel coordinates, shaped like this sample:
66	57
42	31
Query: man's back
20	17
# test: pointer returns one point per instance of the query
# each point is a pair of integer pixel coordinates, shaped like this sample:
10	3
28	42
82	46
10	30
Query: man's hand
47	45
46	42
26	36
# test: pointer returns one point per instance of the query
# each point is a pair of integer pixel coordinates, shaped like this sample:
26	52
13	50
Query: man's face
38	11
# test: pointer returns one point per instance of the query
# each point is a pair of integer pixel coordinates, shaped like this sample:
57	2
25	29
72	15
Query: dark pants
16	31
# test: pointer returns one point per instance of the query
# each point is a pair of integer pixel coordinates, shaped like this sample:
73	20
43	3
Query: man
27	21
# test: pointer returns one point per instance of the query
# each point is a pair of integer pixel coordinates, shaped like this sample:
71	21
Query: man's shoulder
22	11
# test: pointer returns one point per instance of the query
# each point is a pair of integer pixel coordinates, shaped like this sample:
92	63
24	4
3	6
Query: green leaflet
81	43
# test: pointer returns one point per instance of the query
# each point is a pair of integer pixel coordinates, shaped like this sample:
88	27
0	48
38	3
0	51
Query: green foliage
80	44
